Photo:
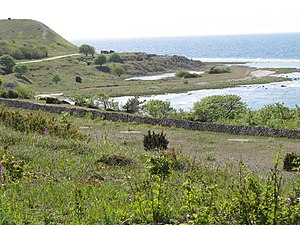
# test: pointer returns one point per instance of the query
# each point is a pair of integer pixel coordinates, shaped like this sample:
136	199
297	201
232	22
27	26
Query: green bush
104	69
118	70
9	94
219	108
12	169
219	69
20	69
36	123
158	108
7	63
155	142
100	60
132	105
106	103
24	92
56	78
275	115
186	74
87	49
18	51
291	162
115	58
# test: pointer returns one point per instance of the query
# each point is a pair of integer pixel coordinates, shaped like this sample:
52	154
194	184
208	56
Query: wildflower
39	142
46	131
86	166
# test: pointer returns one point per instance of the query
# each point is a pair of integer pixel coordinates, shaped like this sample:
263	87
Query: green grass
95	81
66	182
21	31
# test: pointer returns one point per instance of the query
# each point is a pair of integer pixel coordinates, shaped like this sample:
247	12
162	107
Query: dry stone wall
190	125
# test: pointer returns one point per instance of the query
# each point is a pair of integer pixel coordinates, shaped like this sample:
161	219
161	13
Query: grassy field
108	178
61	169
95	81
30	32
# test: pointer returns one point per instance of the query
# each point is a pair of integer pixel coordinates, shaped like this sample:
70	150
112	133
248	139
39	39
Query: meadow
62	169
40	78
104	176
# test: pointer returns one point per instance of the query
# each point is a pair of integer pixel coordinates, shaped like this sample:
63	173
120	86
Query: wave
257	62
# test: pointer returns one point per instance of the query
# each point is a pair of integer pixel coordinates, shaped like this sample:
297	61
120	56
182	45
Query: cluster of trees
112	58
8	65
23	51
87	49
102	59
222	109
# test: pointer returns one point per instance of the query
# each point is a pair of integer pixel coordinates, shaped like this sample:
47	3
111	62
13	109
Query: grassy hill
24	32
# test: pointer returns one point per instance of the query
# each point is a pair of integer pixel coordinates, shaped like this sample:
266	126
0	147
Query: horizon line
183	36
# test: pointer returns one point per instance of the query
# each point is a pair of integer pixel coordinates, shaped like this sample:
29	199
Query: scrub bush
155	142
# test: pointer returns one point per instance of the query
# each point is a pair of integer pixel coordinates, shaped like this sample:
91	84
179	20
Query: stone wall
190	125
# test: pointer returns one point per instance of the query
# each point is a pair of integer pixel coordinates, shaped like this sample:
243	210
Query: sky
103	19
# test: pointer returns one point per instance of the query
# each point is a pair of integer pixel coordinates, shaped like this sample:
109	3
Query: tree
132	105
115	57
87	49
158	108
7	62
118	70
106	103
216	108
56	78
100	60
20	69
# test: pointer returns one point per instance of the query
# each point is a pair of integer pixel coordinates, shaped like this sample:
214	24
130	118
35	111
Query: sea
256	50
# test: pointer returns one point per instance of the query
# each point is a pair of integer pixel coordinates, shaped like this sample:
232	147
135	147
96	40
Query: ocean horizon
259	51
285	46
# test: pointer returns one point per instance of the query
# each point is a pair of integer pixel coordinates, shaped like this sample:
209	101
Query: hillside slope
22	32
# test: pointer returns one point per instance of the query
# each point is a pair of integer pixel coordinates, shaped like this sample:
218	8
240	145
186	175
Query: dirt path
45	30
48	59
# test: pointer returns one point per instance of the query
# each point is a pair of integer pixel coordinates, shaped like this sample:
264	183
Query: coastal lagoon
259	51
162	76
255	96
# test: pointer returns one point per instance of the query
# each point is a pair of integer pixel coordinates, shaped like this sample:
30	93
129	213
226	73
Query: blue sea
259	50
259	46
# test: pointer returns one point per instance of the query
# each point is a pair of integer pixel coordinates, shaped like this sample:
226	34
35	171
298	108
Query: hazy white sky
154	18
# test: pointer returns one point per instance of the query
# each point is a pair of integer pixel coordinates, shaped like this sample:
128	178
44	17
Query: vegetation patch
291	162
186	74
219	69
155	142
115	160
36	123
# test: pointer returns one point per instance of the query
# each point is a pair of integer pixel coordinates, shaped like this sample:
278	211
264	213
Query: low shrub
133	105
24	92
155	142
78	79
186	74
104	69
291	162
9	94
115	160
36	123
219	69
